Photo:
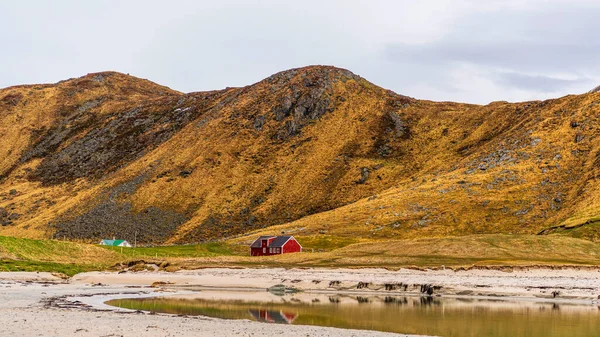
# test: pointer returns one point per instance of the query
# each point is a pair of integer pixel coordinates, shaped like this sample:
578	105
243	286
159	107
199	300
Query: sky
474	51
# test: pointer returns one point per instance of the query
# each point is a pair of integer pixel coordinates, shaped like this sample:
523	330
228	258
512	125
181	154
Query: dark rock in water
281	289
427	289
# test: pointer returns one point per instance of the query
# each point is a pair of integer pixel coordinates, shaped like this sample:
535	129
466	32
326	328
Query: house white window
278	250
264	250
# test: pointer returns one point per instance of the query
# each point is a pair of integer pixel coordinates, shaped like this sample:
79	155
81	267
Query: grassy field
69	258
185	251
64	257
455	252
452	252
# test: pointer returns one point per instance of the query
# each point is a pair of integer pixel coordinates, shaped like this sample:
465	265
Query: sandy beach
41	304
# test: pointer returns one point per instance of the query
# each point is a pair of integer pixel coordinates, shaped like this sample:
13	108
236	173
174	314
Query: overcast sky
460	50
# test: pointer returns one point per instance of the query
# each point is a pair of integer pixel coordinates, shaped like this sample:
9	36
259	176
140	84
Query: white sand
580	284
24	310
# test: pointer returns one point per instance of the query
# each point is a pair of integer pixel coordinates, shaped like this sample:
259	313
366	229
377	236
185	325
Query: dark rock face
259	121
111	217
306	100
393	127
299	108
7	218
596	89
400	126
96	147
11	99
218	226
284	109
185	173
106	220
364	175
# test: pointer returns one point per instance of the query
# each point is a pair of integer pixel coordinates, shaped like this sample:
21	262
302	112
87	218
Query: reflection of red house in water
274	245
271	316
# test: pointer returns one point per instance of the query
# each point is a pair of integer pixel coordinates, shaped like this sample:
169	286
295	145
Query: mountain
315	150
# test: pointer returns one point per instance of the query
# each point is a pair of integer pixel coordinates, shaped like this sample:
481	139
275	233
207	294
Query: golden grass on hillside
446	169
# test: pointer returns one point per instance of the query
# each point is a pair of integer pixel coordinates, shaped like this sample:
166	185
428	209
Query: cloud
538	82
538	50
459	50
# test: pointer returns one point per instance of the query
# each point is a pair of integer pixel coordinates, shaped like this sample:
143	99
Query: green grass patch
68	269
187	251
590	231
324	242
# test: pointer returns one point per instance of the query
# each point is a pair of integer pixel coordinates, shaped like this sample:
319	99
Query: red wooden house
272	316
274	245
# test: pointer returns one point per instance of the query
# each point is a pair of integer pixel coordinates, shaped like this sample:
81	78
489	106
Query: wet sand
581	285
40	304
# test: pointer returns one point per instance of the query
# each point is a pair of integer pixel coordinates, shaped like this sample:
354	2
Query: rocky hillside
313	150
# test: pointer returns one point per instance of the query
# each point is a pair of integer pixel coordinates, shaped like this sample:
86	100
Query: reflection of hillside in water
273	316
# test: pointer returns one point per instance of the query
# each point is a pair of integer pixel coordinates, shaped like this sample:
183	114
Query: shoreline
76	305
537	284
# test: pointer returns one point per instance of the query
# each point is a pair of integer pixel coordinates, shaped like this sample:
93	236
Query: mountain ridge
316	150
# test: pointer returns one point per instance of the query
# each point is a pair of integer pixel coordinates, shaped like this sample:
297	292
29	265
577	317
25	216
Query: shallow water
412	315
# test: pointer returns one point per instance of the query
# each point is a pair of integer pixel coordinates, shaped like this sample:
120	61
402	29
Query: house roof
113	242
257	242
278	241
